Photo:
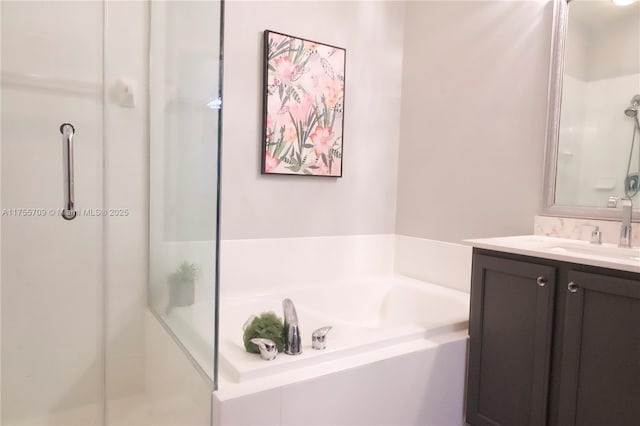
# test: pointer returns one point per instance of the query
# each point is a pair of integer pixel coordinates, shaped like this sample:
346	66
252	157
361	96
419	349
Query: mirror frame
556	73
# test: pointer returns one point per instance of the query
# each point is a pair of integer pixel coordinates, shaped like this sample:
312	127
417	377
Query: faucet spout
625	226
292	340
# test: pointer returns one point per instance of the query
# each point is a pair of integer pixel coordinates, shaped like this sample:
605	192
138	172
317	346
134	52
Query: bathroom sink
567	250
608	251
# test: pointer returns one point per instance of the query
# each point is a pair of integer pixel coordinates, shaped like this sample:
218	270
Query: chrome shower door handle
67	130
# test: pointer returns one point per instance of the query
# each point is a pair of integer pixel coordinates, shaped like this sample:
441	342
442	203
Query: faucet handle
268	348
319	338
596	236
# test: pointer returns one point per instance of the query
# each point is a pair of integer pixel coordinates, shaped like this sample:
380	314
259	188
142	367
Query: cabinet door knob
572	287
541	281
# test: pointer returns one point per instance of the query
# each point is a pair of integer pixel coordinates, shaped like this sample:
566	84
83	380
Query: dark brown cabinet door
600	382
510	342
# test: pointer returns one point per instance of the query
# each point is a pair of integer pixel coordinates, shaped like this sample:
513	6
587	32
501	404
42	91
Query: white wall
473	118
363	200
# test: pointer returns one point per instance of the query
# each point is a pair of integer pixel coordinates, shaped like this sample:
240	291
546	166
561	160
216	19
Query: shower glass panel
52	269
184	142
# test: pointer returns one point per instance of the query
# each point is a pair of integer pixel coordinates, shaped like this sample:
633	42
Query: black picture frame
303	100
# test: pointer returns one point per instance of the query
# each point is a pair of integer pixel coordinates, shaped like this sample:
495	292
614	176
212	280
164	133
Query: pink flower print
332	95
310	45
285	69
273	106
336	167
300	111
290	134
319	167
270	163
320	83
276	38
322	169
321	138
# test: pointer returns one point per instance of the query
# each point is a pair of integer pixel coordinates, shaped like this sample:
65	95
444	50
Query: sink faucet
596	236
625	226
292	345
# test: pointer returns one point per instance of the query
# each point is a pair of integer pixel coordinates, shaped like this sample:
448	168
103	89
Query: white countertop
565	250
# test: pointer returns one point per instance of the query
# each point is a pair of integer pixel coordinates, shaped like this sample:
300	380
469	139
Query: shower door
52	269
79	344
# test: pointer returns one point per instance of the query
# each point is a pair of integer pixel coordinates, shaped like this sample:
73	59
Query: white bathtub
396	342
366	314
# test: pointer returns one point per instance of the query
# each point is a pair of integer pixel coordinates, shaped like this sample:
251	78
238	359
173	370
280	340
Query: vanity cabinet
552	343
510	341
600	372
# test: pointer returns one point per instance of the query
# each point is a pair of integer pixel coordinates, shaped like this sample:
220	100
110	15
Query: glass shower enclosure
185	107
108	225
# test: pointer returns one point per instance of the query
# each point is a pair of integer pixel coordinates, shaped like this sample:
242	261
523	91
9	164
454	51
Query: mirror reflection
599	138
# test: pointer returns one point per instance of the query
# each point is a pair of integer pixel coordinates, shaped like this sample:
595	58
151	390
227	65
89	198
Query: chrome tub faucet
292	340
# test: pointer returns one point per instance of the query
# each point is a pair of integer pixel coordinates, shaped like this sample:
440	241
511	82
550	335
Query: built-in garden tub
395	355
365	314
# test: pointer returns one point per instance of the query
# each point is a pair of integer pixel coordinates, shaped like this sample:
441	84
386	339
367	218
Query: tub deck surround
443	263
567	250
254	266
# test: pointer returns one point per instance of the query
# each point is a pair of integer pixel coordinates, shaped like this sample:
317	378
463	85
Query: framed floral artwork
303	105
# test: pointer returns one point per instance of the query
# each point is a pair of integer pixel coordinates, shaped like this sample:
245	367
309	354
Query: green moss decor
267	326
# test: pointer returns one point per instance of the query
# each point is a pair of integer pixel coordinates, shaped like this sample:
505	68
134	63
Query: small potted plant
182	284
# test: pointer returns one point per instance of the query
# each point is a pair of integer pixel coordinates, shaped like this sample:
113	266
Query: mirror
593	140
